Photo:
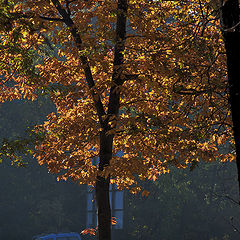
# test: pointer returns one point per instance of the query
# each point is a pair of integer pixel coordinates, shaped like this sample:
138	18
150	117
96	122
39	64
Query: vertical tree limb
106	141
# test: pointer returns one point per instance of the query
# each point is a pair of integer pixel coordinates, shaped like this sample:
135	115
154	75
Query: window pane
118	200
90	219
67	238
119	219
120	154
95	161
110	197
90	202
90	188
95	219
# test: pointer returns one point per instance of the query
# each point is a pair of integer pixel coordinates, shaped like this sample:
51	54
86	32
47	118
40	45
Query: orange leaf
114	220
145	193
90	231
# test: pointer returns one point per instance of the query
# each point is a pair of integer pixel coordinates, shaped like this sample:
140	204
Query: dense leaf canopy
173	95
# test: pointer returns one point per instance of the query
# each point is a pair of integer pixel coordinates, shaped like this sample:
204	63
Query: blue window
116	203
91	209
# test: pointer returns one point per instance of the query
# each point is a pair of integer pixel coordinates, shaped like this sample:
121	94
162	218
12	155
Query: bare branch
231	29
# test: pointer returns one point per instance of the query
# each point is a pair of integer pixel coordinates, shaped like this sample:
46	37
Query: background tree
187	205
32	201
139	84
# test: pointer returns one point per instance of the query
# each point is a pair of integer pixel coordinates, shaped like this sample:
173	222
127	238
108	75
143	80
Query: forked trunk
106	140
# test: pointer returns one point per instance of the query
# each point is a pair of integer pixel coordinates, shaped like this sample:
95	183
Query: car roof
67	234
72	234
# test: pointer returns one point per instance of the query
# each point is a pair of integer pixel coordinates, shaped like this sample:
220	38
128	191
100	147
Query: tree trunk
230	23
104	210
106	140
102	188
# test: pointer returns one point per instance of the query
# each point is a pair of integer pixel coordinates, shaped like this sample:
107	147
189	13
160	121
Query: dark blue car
58	236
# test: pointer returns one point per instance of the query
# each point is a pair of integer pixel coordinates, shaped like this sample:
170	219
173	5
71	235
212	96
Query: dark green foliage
187	205
183	205
31	200
17	120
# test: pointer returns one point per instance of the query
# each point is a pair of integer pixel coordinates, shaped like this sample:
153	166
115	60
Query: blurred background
182	205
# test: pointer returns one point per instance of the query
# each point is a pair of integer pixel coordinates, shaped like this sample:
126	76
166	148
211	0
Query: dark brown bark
102	188
230	17
106	140
66	18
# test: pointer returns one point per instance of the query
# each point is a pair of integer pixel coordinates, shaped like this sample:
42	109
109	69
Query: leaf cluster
169	78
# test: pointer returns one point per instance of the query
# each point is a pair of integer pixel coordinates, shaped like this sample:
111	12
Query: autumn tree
139	84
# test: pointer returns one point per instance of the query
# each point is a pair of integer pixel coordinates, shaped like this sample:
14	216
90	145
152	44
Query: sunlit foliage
173	97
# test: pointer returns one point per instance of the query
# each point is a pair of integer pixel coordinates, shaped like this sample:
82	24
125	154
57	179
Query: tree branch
52	19
88	74
117	77
231	29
